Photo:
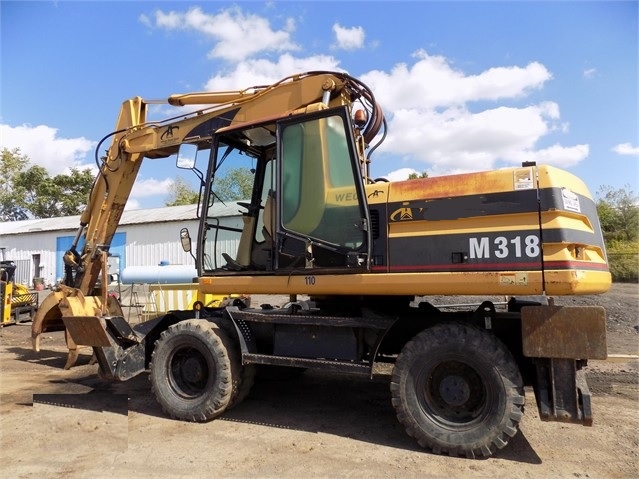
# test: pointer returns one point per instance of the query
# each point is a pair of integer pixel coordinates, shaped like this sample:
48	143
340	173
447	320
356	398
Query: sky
465	86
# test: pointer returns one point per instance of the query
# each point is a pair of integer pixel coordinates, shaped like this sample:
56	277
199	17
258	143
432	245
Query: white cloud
589	73
626	149
400	174
45	148
238	35
457	139
348	38
431	82
132	204
145	20
433	117
264	72
144	188
58	155
430	117
562	156
148	188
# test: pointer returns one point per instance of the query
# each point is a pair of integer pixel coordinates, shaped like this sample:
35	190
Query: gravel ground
313	425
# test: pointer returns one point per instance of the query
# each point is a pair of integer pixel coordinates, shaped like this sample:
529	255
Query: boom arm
107	200
135	139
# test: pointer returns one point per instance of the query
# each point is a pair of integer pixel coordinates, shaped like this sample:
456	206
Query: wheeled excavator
359	258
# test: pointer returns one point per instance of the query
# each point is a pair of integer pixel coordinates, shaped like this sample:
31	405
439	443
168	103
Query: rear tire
458	390
191	375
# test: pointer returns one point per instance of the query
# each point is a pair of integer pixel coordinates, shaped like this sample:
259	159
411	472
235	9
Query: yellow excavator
366	252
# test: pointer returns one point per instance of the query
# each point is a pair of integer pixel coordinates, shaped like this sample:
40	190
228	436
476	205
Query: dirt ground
314	425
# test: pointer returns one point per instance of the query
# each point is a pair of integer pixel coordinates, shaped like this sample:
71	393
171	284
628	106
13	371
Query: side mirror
186	156
185	239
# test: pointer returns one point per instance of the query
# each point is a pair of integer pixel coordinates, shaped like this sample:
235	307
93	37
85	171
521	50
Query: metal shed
145	237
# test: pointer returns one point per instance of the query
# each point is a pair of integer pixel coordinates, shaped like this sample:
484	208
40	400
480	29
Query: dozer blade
568	332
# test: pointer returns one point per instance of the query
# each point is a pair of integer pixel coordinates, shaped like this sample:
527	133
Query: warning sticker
523	179
571	200
513	279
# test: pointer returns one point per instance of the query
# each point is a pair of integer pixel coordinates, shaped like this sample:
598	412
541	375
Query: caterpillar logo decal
403	213
167	135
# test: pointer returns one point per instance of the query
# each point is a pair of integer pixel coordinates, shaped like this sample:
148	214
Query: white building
144	238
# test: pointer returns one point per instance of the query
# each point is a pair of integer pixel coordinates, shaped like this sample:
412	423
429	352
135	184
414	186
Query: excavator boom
135	139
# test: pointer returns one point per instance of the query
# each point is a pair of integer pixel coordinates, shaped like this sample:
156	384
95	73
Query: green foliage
618	212
51	197
11	165
415	176
623	258
237	184
28	191
181	193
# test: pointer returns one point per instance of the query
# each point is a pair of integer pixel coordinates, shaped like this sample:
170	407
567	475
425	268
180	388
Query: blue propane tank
161	274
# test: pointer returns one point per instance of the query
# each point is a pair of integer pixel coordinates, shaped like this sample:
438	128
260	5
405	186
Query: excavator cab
307	208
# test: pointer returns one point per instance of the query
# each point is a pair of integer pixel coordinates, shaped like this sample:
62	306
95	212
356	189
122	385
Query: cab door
322	220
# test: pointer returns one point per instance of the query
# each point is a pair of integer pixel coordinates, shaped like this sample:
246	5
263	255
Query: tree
237	184
618	212
415	175
30	192
51	197
11	165
181	193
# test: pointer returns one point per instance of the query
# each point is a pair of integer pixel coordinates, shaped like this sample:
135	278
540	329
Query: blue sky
465	86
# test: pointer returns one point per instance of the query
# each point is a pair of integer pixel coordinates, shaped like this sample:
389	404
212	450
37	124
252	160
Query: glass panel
292	155
318	180
341	172
225	234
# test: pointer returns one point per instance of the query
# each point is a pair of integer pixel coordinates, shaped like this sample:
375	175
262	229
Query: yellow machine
365	251
6	292
17	300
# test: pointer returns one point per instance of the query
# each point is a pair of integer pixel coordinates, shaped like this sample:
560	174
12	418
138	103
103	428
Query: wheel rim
189	372
454	394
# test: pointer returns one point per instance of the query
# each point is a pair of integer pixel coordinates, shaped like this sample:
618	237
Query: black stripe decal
489	204
209	127
504	250
508	202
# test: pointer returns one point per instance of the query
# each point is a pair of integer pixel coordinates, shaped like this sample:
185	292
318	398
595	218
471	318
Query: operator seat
262	251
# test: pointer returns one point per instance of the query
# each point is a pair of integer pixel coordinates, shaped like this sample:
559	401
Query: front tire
458	390
191	374
243	374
